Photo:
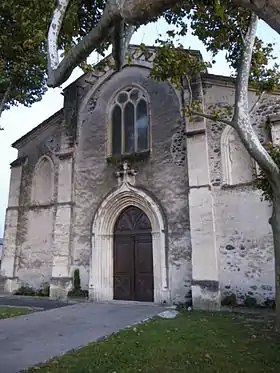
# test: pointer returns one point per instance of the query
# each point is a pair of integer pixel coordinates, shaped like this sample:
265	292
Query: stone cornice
192	133
274	118
236	186
19	161
66	153
32	206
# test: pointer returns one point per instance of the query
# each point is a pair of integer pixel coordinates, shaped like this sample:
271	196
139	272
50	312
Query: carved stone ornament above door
126	175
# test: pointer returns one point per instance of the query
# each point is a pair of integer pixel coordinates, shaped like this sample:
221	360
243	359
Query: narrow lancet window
129	122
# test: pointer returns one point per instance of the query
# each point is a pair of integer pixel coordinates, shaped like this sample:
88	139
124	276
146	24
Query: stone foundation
59	287
206	295
9	284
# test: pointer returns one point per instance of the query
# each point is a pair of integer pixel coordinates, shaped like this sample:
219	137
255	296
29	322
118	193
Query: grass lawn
192	343
7	312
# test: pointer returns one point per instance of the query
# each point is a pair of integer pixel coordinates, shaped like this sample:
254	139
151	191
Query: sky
19	120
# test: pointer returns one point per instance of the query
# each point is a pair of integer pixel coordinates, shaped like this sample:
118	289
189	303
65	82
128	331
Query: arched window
129	122
43	181
237	164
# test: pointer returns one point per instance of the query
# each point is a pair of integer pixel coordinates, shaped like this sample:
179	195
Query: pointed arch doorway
133	277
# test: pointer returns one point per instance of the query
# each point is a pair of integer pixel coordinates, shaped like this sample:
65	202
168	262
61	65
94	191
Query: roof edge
54	116
131	48
212	78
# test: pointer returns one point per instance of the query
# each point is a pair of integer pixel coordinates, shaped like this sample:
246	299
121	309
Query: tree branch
189	88
257	102
78	53
241	116
121	37
242	37
268	10
53	33
212	117
132	12
3	101
201	114
141	11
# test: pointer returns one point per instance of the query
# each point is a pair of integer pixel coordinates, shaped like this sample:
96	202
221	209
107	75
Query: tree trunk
275	224
268	10
3	102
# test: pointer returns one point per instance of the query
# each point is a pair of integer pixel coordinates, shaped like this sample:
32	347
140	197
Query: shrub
184	306
76	280
25	290
77	292
188	298
44	290
249	301
262	181
269	303
229	300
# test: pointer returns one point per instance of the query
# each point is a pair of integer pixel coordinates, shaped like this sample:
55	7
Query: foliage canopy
220	27
24	26
23	45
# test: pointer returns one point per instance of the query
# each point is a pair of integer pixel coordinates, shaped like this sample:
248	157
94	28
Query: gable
52	121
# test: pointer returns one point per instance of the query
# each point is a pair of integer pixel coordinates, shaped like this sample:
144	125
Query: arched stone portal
101	280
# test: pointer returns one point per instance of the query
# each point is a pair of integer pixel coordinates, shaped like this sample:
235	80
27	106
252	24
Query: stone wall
243	234
205	274
34	258
245	242
32	208
161	175
64	173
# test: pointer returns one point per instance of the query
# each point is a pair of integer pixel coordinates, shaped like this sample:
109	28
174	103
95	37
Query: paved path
21	301
26	341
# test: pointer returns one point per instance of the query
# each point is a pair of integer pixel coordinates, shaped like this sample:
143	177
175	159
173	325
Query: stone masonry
210	230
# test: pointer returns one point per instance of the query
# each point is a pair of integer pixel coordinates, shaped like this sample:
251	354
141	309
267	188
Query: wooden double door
133	257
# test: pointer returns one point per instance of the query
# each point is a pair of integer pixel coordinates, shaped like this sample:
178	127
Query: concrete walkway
26	341
32	302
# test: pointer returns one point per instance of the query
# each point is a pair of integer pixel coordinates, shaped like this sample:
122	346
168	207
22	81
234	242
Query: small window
130	123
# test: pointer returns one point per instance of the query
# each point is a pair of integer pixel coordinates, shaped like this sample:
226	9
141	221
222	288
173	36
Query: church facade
149	205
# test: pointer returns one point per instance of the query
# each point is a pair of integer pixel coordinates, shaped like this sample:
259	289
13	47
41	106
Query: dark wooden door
143	259
133	257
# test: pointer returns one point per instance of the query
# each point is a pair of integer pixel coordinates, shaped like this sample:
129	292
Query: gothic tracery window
129	122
